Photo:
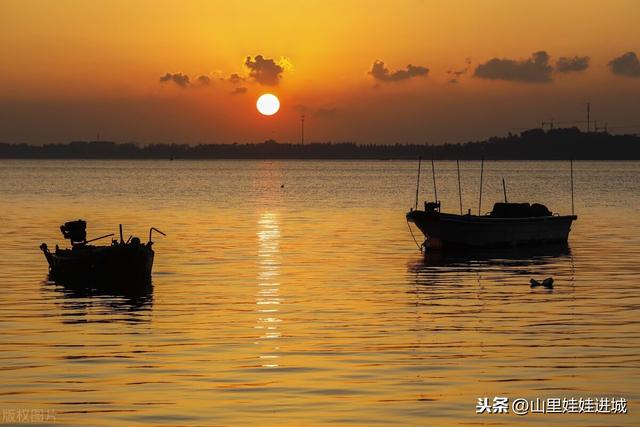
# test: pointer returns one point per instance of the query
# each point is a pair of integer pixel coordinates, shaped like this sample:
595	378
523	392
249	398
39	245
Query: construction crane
549	123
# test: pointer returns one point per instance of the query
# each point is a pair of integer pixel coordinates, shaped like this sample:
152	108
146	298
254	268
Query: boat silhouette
507	225
122	262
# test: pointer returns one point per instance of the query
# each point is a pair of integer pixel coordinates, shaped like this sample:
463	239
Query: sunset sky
190	72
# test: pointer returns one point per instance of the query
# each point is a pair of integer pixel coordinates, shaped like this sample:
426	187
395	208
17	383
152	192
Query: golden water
309	304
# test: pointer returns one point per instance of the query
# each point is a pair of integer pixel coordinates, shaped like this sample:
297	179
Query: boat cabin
519	210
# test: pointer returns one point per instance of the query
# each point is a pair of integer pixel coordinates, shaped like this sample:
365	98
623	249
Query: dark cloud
264	71
380	72
567	64
625	65
239	90
534	69
180	79
204	80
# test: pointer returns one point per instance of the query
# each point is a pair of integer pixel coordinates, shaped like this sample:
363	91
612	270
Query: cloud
261	70
235	78
577	63
184	81
180	79
264	71
625	65
204	80
239	90
380	72
454	75
532	70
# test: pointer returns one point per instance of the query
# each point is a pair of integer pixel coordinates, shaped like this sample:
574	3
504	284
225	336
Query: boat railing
98	238
151	230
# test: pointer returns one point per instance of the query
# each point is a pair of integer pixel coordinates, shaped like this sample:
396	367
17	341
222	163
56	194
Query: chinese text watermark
552	405
27	416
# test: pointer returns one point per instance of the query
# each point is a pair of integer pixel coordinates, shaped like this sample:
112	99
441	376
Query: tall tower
588	117
302	129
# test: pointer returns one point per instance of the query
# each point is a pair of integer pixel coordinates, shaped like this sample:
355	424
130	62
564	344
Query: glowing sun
268	104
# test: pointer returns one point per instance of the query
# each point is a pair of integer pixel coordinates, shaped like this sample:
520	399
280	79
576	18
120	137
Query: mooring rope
414	237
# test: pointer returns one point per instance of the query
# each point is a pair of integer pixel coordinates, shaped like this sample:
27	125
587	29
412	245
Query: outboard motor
75	231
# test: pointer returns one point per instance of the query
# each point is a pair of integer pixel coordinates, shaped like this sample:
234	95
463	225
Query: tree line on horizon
533	144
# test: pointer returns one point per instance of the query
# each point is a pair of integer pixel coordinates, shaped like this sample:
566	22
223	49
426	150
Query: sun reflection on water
268	297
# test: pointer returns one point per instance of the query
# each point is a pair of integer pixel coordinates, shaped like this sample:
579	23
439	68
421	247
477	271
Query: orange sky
72	69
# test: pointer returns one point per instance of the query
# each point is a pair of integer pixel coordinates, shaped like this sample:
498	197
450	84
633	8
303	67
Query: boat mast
433	172
504	190
459	186
418	182
571	165
480	201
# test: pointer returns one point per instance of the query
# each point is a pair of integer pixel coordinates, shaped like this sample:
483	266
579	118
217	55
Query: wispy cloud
566	64
234	78
453	76
204	80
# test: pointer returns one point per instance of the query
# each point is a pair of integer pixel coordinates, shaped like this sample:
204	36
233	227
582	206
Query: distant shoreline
534	144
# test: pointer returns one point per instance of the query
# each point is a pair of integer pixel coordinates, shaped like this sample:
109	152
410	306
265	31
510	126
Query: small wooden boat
123	261
508	224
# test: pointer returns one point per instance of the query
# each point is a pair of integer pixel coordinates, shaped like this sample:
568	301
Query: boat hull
484	231
119	263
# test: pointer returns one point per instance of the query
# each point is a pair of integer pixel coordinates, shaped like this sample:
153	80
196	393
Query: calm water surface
309	304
